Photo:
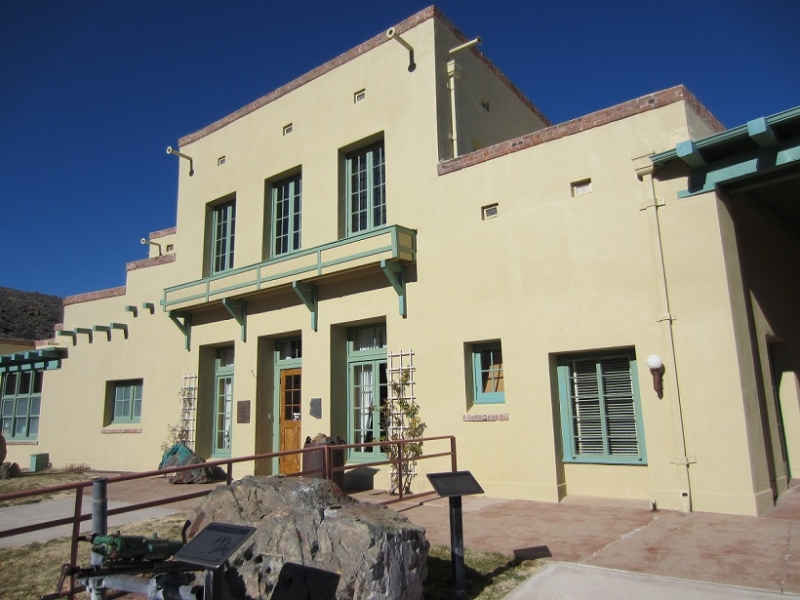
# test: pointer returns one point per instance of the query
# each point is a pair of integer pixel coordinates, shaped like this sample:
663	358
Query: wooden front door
290	420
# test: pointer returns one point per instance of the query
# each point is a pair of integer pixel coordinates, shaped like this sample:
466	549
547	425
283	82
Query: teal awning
45	359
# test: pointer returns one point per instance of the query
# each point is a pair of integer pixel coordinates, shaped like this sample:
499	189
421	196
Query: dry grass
30	571
43	479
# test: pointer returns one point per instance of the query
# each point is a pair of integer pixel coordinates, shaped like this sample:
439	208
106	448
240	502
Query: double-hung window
601	417
127	401
223	230
487	373
286	216
366	388
366	189
20	402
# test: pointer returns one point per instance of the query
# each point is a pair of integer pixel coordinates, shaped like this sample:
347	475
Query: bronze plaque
243	411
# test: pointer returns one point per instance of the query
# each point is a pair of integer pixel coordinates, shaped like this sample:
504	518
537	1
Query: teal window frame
222	441
601	414
366	189
21	404
488	376
367	390
287	197
223	232
127	402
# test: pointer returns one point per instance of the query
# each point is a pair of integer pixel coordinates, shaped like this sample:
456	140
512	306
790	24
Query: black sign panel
214	545
457	483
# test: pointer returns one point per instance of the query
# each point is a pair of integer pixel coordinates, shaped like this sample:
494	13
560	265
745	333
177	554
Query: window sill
22	442
120	430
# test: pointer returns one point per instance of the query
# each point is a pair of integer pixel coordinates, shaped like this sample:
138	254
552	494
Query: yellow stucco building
405	197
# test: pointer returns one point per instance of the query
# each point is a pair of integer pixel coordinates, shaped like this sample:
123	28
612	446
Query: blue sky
93	91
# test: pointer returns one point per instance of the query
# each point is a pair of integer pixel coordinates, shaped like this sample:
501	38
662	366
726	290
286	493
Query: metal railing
327	470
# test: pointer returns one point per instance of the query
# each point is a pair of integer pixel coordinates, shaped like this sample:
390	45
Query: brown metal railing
326	470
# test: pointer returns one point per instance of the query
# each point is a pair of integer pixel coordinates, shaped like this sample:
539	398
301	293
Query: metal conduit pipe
681	461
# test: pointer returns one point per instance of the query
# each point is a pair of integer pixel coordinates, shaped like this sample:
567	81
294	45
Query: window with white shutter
601	417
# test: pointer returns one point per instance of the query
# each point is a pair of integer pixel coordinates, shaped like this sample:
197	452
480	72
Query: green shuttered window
600	410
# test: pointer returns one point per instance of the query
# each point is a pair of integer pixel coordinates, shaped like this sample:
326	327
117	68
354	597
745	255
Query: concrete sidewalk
630	551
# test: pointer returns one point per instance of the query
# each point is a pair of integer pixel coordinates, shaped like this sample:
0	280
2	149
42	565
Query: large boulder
180	455
376	552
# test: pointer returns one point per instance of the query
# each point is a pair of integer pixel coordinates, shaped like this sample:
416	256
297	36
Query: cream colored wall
476	127
9	346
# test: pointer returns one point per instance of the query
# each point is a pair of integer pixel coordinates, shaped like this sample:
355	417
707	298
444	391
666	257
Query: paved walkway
590	551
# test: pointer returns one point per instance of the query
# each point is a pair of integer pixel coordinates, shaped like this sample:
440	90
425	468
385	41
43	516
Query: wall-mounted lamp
466	45
156	244
393	35
657	371
182	155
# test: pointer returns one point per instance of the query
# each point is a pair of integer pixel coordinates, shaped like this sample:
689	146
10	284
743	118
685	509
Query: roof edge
596	119
91	296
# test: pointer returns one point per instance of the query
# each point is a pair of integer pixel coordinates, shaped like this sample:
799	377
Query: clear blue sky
93	91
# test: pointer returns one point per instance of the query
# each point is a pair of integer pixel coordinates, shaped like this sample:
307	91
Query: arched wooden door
290	424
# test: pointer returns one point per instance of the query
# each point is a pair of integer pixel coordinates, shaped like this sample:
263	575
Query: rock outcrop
376	552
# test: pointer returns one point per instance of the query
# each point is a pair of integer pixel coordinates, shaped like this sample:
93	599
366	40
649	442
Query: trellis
402	421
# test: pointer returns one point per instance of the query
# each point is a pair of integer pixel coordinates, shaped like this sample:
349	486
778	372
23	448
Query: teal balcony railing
388	245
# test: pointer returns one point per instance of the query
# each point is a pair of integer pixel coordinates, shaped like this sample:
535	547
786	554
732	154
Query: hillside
28	315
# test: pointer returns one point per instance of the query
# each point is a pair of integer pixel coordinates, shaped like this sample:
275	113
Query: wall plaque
316	408
243	411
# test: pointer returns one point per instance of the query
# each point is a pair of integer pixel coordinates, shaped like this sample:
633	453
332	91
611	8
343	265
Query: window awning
45	359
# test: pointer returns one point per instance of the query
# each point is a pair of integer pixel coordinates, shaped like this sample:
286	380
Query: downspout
681	460
453	72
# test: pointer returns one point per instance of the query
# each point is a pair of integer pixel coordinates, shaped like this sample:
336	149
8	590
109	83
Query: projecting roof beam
688	152
761	133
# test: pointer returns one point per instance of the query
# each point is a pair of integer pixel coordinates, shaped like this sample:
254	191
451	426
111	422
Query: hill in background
28	315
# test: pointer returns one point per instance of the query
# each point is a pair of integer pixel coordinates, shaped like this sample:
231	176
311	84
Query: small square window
490	211
579	188
221	161
125	398
287	129
487	373
359	96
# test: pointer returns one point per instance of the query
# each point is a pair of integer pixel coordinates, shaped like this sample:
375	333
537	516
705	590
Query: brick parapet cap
581	124
163	232
402	27
92	296
150	262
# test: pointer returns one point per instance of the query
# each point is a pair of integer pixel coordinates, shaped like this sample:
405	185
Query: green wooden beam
132	309
688	152
308	294
85	331
761	133
103	328
149	306
185	326
69	334
122	326
396	276
238	310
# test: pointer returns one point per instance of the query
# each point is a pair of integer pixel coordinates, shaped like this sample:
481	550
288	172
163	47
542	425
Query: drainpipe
681	460
453	72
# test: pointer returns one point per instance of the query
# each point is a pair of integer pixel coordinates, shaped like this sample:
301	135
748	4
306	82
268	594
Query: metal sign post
453	485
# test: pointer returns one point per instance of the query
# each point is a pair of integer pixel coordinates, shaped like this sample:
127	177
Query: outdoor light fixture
393	35
170	150
657	371
152	243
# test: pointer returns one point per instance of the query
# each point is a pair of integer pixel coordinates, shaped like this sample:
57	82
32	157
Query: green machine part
116	547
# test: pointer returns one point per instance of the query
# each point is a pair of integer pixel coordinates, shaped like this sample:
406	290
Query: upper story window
286	215
366	189
223	228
